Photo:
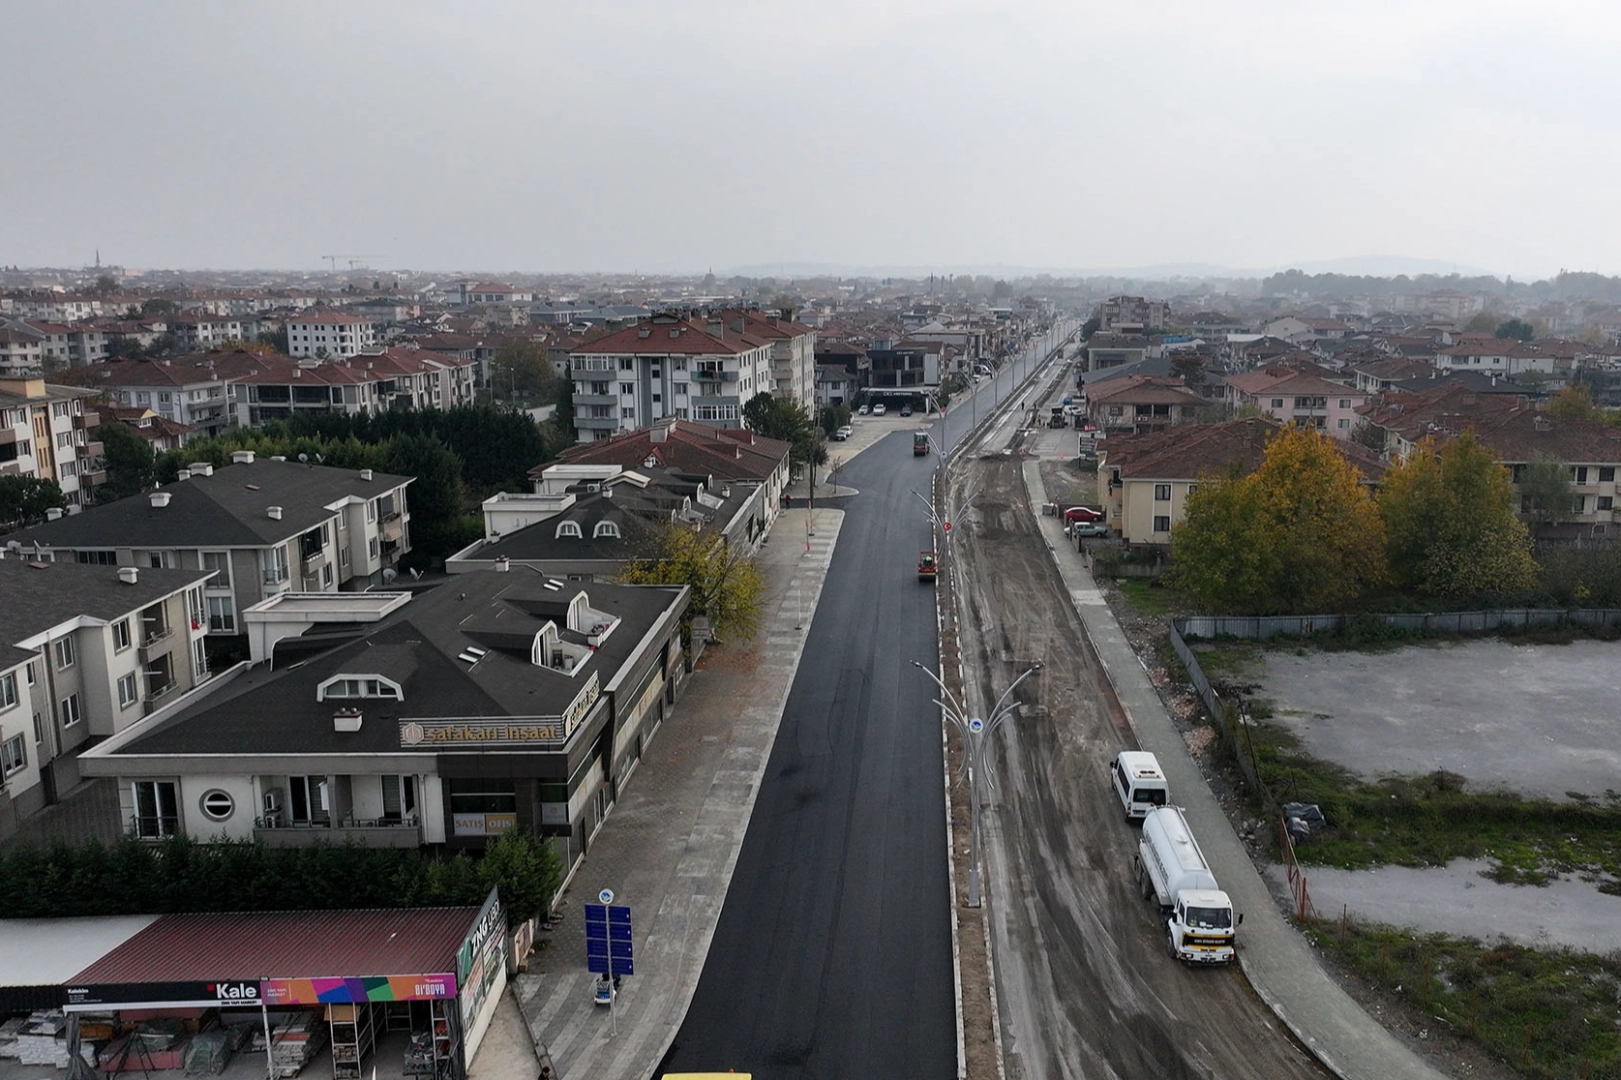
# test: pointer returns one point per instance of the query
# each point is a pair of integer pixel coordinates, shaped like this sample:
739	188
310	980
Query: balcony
392	528
155	694
152	827
275	575
711	375
277	831
153	635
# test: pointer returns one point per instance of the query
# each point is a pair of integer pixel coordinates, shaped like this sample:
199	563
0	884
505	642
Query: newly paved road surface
832	956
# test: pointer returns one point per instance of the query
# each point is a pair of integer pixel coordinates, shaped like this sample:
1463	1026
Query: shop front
381	993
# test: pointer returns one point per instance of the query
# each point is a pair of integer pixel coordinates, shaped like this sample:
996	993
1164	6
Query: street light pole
974	732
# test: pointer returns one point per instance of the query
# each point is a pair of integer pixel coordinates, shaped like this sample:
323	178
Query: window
126	691
482	807
1606	474
157	809
680	389
1345	403
64	653
217	805
307	799
627	413
568	528
1581	474
1162	492
120	635
13	755
627	388
220	563
28	673
326	576
359	686
221	615
399	799
8	690
1606	502
1162	523
70	710
606	528
1277	403
626	364
160	560
199	660
371	547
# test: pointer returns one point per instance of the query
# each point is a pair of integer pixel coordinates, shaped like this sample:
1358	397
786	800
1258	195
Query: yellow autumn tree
727	588
1450	524
1299	535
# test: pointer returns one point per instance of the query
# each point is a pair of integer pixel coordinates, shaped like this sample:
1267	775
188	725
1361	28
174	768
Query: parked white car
878	409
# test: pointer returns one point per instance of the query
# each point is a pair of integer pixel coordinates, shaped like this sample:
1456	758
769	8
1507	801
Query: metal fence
1227	716
1433	622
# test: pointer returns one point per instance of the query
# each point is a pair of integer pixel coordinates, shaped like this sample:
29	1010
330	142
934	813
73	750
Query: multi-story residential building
21	352
691	368
50	432
499	701
1132	315
263	527
85	651
1302	328
194	391
422	379
162	434
1141	402
330	335
793	351
1117	350
198	333
277	387
1289	395
1146	478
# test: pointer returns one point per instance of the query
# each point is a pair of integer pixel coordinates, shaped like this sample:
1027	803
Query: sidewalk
1275	958
669	846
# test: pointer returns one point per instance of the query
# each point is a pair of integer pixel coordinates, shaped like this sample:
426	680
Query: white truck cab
1138	782
1172	871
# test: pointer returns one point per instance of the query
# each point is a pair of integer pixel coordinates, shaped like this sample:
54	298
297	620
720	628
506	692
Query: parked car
861	411
878	409
906	410
1082	513
840	435
1087	528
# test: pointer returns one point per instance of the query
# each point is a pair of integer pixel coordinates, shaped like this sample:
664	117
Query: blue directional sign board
608	949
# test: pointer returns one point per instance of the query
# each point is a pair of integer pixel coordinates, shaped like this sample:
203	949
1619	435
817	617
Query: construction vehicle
920	443
927	568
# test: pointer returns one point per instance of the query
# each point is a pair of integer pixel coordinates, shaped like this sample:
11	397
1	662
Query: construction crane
353	260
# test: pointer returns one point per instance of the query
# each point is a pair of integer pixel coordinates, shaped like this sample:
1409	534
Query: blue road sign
609	949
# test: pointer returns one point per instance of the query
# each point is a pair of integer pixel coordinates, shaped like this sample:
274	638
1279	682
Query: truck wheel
1144	885
1170	941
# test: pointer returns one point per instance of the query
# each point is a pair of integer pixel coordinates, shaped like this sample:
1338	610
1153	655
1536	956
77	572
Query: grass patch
1228	659
1431	820
1146	596
1549	1014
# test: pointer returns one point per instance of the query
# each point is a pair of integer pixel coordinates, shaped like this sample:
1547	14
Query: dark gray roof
39	596
276	712
227	509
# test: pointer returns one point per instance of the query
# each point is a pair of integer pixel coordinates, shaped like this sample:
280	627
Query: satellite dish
303	457
389	574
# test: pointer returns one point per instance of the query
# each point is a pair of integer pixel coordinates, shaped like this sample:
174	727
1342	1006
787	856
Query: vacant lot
1540	720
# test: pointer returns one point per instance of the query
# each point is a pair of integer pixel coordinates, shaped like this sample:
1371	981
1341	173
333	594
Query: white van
1138	782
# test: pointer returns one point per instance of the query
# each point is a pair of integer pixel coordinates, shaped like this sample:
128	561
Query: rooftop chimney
503	564
347	719
274	512
159	499
128	574
53	513
242	457
365	474
183	474
201	468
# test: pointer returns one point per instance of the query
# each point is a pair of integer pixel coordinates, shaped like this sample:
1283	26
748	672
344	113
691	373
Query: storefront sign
482	824
476	732
222	992
358	990
481	960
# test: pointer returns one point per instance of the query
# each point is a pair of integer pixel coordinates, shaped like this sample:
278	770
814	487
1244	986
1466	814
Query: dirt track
1085	988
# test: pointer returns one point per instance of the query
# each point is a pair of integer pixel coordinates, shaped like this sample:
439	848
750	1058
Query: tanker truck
1171	870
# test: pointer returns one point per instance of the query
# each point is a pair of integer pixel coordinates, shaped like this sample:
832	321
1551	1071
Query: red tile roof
667	336
286	945
1189	451
728	454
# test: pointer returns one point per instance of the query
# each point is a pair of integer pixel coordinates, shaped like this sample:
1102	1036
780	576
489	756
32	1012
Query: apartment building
329	335
49	432
421	378
21	353
692	368
85	652
277	387
193	391
1132	315
262	527
1289	395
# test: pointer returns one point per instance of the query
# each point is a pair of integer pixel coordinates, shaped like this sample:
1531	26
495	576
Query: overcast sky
660	135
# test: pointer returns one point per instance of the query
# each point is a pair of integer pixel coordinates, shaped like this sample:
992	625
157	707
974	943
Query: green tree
1484	323
1450	526
158	306
130	461
787	421
1189	365
727	588
1518	329
522	371
276	339
106	285
834	417
1301	534
1575	402
1547	490
164	345
25	499
440	524
124	347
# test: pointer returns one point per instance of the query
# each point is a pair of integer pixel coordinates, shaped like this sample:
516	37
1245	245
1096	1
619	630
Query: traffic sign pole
608	947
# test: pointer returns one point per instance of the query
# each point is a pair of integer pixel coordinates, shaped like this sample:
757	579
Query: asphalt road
832	956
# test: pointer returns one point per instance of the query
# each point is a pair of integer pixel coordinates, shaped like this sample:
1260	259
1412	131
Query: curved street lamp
974	732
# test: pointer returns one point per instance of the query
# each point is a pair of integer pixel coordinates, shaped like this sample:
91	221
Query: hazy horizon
631	136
